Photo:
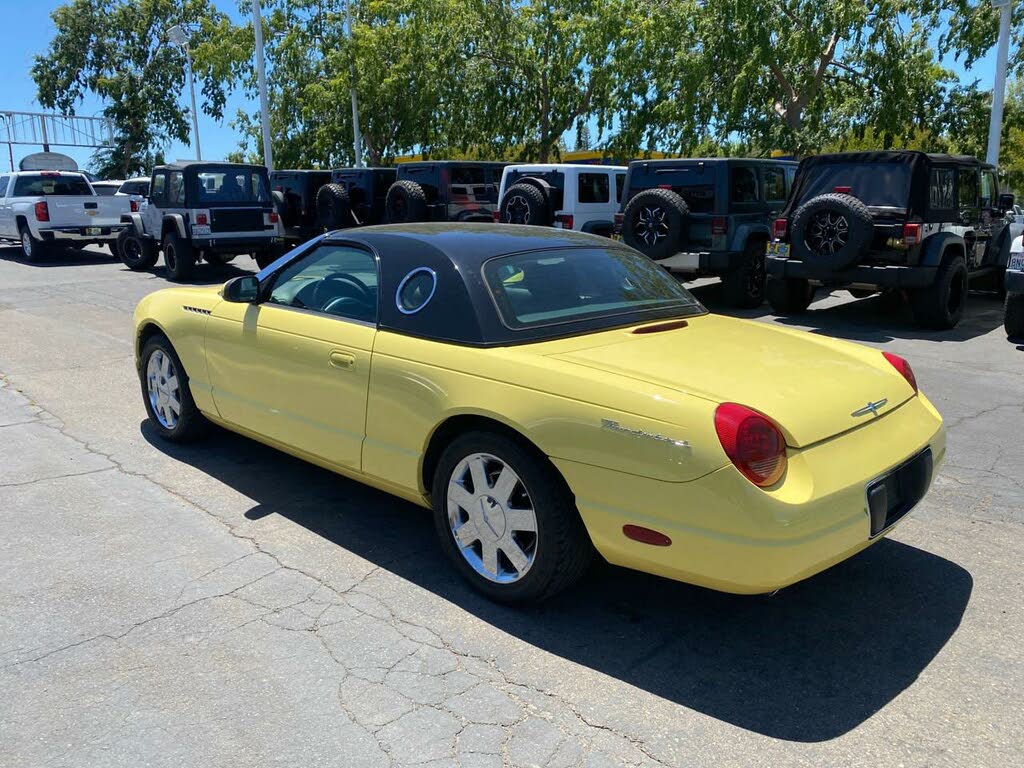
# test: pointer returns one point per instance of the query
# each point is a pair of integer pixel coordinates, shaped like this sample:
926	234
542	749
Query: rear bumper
711	262
1014	281
731	536
881	275
229	244
78	234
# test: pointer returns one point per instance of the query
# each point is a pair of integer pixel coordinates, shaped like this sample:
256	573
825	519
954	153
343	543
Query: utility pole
995	126
261	75
177	36
357	139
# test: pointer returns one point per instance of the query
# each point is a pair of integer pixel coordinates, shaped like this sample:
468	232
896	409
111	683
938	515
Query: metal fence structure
38	128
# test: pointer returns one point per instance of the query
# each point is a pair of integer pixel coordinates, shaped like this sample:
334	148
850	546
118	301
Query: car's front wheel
165	392
507	520
179	257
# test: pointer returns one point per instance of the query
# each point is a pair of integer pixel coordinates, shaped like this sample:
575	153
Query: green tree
118	51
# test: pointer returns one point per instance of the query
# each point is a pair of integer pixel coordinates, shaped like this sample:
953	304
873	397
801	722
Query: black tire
406	202
563	550
333	207
940	305
861	293
219	258
179	257
743	286
525	204
33	250
268	256
654	222
1013	319
191	424
787	295
831	232
135	252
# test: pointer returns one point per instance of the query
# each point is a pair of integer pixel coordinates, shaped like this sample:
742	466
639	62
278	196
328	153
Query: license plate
781	250
93	230
616	237
1016	262
200	229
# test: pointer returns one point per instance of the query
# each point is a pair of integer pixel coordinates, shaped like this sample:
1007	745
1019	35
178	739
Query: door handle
342	360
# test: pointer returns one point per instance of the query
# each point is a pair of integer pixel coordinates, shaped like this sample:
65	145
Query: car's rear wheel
940	305
135	252
743	286
33	250
1013	319
179	257
165	392
507	520
787	295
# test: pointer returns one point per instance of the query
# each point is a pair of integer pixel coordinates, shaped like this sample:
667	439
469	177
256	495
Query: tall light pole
261	77
357	139
995	126
177	36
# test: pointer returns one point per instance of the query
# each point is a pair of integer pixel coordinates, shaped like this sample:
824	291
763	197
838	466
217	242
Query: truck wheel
136	253
788	295
743	286
1013	320
33	250
831	231
940	305
506	519
525	204
654	222
406	202
268	256
179	257
333	207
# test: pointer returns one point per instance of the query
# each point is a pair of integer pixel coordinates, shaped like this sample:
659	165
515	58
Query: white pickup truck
48	209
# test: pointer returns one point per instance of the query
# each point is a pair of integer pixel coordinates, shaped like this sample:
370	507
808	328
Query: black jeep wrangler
447	190
890	221
707	216
295	196
354	197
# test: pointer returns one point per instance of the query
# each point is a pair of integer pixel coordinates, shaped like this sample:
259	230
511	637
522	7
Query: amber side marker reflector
669	326
646	535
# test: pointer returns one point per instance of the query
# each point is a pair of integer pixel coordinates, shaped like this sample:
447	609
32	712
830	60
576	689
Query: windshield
231	186
567	285
884	185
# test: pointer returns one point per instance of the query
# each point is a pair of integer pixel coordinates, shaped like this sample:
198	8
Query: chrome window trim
412	273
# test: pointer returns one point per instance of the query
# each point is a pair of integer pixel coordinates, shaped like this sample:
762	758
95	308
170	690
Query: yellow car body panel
627	418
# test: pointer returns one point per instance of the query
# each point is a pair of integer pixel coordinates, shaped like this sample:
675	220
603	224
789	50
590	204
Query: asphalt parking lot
223	604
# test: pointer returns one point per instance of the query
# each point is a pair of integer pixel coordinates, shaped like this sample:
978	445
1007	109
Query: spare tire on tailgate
333	209
831	232
525	204
406	202
654	222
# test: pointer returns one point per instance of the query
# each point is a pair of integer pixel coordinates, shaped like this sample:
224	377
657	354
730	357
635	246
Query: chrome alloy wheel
651	225
26	243
163	389
491	516
828	232
518	210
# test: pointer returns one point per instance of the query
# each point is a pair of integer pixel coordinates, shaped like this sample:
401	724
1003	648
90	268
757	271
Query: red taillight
664	186
911	234
564	220
719	225
842	190
133	205
42	211
752	442
273	217
202	218
496	215
619	219
779	228
903	367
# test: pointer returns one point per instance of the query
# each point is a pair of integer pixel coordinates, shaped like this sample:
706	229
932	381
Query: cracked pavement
223	604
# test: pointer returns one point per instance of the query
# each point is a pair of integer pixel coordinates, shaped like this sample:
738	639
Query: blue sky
29	30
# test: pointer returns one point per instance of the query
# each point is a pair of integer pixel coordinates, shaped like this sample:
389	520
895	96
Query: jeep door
152	214
969	198
595	206
993	220
747	208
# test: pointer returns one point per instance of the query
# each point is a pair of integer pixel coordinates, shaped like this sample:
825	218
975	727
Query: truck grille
236	219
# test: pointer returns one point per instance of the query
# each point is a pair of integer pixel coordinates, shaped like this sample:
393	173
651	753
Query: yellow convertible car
550	394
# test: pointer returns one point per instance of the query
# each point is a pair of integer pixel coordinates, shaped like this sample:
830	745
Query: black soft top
197	165
453	163
462	310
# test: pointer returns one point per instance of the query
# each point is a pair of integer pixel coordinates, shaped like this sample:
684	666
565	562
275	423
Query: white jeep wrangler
580	197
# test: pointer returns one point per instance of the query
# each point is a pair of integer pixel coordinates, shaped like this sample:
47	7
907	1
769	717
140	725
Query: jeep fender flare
745	233
602	227
938	245
135	219
173	220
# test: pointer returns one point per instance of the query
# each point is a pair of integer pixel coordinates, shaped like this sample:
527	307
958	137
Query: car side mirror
1006	201
241	290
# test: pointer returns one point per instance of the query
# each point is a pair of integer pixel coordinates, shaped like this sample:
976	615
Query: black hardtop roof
893	155
365	168
450	163
668	162
182	165
300	170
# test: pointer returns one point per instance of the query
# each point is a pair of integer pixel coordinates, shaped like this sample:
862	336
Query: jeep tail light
664	186
842	190
753	443
273	217
620	219
496	215
903	367
912	234
133	205
719	225
42	211
564	220
779	229
202	219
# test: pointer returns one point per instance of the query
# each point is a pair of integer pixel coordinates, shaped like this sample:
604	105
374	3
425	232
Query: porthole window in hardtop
415	290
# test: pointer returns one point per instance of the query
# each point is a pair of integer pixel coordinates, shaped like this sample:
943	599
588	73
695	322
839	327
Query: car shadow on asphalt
878	319
63	257
807	664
